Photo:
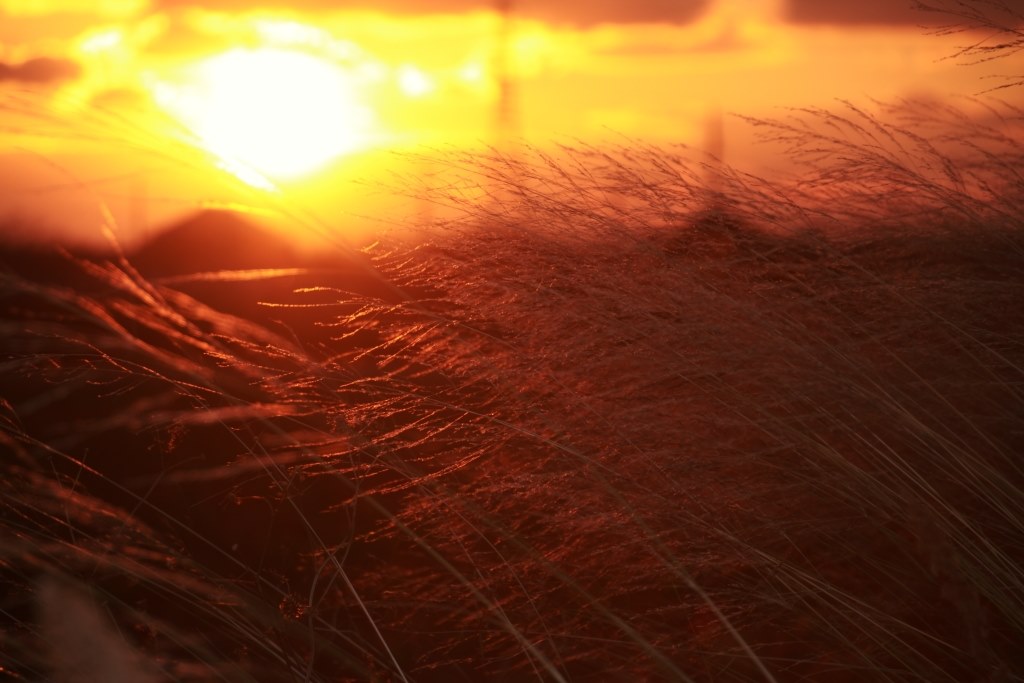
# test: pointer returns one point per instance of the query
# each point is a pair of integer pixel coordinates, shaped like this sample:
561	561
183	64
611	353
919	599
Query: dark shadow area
266	475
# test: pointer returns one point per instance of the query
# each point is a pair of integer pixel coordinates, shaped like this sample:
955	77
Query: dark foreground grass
619	423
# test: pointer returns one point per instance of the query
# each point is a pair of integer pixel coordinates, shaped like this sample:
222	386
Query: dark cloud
578	12
615	11
895	12
39	70
590	12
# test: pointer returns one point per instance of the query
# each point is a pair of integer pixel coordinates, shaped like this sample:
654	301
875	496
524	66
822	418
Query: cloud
577	12
727	39
877	12
104	8
120	99
40	70
586	12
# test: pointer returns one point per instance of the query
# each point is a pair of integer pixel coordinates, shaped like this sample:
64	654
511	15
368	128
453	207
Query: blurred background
131	113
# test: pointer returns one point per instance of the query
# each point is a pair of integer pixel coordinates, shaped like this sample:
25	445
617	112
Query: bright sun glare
279	112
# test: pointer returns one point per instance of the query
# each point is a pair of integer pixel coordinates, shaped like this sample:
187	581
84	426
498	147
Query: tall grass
623	423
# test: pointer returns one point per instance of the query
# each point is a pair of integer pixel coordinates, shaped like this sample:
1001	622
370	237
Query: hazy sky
96	90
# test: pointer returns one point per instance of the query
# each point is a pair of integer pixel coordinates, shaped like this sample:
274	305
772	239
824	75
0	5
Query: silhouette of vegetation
994	30
615	421
610	435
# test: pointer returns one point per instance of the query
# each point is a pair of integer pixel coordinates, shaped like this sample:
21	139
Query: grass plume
614	421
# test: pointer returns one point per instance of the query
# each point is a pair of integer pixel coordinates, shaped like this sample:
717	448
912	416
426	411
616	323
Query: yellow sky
150	82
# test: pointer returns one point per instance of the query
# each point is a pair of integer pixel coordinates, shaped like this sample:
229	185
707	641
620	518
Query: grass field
632	417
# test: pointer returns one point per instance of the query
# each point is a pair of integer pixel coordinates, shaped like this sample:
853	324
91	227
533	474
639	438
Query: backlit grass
630	417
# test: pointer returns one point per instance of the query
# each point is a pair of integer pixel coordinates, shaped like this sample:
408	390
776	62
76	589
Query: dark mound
212	241
207	254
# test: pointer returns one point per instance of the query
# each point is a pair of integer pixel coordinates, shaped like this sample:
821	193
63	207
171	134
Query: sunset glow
498	340
289	97
283	113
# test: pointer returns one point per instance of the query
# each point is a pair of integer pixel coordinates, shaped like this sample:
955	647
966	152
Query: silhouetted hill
217	241
212	241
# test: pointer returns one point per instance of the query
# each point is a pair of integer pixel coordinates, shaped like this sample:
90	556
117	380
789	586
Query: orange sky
134	104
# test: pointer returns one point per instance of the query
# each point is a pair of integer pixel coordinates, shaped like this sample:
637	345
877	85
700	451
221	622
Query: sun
281	113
